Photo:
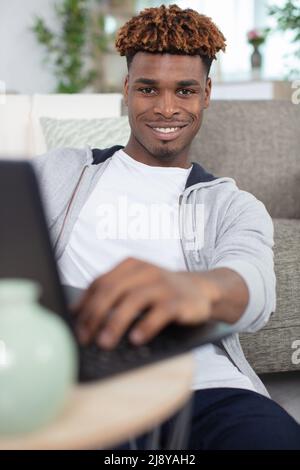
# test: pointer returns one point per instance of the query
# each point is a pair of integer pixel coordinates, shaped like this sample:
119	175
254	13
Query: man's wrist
209	287
227	292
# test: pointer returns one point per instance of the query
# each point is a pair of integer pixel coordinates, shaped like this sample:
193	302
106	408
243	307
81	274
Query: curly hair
170	30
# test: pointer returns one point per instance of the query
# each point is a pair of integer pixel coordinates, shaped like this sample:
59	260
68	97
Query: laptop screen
25	247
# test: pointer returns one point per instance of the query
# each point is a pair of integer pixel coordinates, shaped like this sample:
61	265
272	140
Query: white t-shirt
133	211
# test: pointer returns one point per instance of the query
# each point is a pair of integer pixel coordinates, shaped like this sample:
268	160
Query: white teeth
166	130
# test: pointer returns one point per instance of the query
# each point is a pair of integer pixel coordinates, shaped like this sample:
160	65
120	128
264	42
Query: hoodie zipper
69	205
180	231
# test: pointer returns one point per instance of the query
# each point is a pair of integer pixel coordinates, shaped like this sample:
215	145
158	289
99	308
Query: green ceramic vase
38	359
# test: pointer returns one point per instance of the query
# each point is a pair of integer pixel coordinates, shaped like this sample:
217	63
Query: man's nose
166	105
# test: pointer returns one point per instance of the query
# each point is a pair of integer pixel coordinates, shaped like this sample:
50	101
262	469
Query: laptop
26	251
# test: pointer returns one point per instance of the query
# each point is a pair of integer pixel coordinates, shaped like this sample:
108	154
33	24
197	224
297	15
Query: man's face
166	95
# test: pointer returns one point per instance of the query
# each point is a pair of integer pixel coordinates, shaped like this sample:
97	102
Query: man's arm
115	299
244	244
238	287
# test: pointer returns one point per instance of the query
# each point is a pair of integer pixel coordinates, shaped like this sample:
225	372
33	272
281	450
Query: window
279	59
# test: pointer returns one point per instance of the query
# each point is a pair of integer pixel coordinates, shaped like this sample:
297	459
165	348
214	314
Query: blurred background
67	46
60	75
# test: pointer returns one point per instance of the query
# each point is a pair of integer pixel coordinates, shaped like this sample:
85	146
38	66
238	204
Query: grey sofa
258	144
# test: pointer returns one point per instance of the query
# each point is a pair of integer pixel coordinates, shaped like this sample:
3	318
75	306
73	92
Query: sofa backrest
258	144
21	133
70	106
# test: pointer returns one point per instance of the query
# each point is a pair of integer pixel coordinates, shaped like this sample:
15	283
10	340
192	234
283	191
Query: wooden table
108	412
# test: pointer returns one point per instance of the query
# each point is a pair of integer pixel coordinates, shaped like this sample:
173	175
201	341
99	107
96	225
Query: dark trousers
231	419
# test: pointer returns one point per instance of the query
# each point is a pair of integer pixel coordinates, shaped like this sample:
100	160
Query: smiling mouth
167	133
166	130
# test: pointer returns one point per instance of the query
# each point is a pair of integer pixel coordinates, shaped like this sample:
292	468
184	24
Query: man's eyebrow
146	81
181	83
191	82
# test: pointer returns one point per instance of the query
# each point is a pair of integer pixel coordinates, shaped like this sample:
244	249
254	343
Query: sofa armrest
276	347
15	126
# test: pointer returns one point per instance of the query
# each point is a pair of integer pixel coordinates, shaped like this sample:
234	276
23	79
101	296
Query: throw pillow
97	133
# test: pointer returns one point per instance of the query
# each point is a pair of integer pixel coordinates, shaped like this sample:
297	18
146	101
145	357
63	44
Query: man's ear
207	93
125	89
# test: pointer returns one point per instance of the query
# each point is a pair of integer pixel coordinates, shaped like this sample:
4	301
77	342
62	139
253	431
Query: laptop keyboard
97	363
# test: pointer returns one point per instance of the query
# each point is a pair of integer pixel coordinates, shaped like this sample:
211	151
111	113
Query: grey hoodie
238	231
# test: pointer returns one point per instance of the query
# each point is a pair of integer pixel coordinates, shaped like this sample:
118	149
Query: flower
257	36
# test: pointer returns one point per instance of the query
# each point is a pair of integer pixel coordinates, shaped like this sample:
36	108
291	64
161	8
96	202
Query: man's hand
114	300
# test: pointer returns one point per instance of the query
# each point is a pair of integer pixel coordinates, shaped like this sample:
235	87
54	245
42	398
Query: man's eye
146	90
185	92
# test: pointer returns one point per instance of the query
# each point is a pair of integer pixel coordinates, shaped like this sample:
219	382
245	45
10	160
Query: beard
164	152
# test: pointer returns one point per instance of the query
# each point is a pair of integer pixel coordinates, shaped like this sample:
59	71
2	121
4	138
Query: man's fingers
99	308
115	275
154	321
174	310
91	320
124	314
115	328
96	305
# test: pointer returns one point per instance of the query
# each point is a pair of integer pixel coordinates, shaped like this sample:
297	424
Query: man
215	259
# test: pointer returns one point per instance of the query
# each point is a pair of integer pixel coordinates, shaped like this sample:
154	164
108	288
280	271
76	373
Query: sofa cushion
277	346
258	144
97	133
70	106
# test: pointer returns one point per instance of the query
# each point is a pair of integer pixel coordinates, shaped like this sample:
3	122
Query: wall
21	57
21	66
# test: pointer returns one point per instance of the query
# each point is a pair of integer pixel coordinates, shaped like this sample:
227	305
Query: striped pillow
97	133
